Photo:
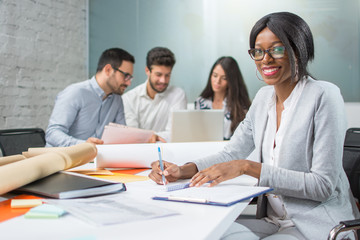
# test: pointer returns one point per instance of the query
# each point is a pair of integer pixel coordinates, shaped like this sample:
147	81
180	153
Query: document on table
224	194
111	209
120	134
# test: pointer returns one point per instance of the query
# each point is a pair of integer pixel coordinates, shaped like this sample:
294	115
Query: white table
195	221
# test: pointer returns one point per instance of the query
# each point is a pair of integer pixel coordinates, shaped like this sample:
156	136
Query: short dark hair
114	57
237	96
160	56
296	36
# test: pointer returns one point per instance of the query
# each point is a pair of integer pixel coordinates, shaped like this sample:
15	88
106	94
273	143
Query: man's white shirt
153	114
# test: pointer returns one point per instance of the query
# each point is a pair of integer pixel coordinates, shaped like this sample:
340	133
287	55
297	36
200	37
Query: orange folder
130	171
6	212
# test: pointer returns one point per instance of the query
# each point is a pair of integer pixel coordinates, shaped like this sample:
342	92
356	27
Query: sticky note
45	211
25	203
40	215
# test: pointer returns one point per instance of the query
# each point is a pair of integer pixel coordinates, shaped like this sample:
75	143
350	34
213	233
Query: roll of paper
11	159
143	154
79	154
44	162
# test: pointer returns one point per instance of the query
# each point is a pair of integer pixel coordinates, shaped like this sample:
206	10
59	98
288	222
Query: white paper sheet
121	134
111	209
142	155
225	193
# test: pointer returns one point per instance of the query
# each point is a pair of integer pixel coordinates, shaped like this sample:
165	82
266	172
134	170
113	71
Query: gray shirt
81	112
309	176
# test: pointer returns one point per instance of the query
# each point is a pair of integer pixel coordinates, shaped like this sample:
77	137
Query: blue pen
161	166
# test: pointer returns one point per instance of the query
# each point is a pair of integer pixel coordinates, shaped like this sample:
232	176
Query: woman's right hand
171	172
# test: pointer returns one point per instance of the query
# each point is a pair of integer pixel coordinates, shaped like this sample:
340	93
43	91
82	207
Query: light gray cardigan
310	177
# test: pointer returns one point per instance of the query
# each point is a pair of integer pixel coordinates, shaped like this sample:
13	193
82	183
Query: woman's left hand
225	171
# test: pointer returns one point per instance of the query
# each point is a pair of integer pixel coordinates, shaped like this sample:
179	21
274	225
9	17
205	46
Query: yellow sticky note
25	203
124	178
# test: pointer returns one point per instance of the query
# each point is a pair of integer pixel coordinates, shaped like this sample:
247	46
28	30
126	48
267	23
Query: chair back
351	159
16	141
351	164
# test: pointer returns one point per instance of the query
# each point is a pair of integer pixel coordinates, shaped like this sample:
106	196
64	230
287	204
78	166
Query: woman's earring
256	73
296	76
296	73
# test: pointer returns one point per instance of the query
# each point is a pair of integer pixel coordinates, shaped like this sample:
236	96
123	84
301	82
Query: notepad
124	178
224	194
25	203
45	211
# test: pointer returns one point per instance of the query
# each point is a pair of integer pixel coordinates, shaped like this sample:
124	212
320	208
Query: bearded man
149	105
82	109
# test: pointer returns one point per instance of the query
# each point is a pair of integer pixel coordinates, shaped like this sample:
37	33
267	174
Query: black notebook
63	185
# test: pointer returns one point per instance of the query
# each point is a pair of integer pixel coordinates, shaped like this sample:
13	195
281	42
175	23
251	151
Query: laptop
197	125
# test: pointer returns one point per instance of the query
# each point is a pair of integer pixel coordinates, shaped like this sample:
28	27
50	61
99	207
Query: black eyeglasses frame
268	51
128	76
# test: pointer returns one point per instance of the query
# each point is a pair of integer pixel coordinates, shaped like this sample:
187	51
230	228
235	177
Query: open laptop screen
197	125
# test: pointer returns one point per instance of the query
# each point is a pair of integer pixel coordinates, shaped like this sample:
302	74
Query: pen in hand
161	166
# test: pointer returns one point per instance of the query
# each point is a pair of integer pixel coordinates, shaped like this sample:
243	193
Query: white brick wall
43	48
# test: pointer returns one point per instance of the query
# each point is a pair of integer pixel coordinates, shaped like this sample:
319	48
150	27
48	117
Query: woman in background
226	90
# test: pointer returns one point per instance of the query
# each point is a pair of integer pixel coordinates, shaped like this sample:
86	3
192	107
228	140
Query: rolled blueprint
11	159
79	154
143	154
51	160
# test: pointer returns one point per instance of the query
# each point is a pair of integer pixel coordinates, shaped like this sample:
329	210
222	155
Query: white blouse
270	150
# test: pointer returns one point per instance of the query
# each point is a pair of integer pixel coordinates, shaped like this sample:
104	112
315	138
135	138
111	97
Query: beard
119	90
153	86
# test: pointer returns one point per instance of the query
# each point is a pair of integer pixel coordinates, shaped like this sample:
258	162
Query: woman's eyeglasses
258	54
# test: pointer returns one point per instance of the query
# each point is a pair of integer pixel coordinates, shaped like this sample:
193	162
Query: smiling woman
297	127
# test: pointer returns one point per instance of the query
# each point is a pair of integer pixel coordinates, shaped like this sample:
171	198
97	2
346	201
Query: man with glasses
83	109
149	105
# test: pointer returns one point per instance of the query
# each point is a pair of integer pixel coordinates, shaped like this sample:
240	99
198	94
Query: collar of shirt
295	94
209	102
143	92
224	103
291	101
97	89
